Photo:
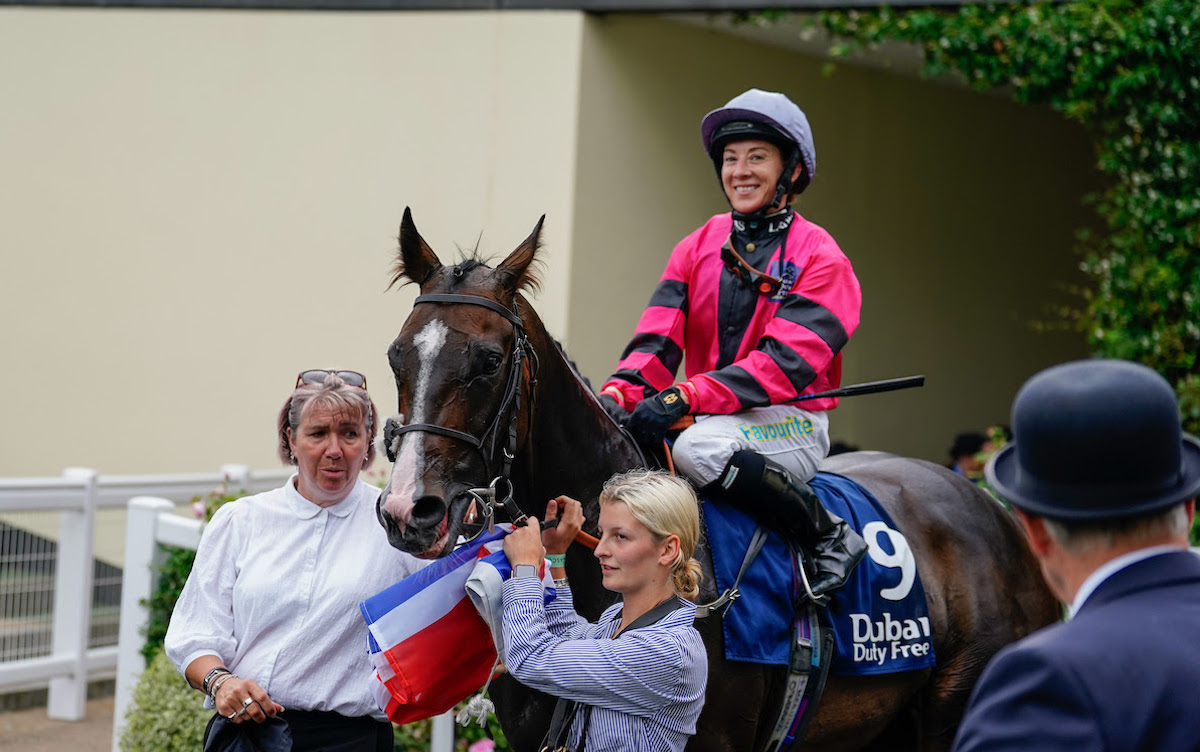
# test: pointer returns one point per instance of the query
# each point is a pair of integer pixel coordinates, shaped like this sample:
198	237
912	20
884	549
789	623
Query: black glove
614	409
649	421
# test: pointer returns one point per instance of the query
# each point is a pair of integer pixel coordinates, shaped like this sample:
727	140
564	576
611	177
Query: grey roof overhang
595	6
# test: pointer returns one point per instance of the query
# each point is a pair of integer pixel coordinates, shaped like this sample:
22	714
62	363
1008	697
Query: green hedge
164	714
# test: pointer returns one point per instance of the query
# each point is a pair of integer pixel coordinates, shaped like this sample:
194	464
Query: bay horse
487	398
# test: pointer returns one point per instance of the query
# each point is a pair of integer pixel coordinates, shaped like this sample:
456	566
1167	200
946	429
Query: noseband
487	498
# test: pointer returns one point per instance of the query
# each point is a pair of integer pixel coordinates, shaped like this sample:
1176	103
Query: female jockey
758	304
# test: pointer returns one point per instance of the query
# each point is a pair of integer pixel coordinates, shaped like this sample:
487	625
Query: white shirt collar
305	509
1111	567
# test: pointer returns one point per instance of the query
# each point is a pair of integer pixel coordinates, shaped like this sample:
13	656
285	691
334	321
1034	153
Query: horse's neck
572	447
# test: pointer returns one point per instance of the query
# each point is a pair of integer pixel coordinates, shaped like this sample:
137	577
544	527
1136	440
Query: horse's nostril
428	510
388	522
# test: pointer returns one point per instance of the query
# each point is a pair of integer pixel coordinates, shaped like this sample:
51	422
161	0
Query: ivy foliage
1129	72
173	573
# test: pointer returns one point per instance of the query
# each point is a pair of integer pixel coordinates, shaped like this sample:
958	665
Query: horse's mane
574	367
470	259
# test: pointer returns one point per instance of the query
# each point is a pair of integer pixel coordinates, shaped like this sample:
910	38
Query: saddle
876	623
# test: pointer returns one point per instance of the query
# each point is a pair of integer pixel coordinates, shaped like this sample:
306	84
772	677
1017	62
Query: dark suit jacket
1123	675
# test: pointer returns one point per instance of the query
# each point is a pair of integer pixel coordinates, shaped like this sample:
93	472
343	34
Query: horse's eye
492	364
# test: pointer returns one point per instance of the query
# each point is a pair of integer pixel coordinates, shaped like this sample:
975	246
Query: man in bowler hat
1103	480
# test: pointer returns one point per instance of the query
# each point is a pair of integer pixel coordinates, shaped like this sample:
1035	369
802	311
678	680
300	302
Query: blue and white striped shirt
645	688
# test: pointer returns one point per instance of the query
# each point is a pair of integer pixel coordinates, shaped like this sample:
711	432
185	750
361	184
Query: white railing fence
66	662
54	640
149	521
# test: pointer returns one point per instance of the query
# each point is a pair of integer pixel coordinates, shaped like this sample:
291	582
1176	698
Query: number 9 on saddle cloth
880	618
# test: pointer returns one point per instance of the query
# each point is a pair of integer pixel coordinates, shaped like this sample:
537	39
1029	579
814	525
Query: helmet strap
783	187
779	200
783	190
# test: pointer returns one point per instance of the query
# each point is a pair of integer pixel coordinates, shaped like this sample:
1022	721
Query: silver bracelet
217	684
215	673
561	582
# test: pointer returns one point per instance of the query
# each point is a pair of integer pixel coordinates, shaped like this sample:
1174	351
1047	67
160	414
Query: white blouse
275	594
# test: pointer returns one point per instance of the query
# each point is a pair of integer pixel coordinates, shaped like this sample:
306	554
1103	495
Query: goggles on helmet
744	130
760	282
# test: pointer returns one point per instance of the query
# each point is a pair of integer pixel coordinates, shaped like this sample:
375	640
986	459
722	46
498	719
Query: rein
489	497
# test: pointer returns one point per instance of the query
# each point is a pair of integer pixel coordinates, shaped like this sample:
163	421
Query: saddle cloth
879	618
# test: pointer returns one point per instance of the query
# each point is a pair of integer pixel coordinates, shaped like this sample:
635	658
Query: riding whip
870	387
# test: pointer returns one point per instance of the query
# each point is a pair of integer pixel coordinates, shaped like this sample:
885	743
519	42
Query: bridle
489	497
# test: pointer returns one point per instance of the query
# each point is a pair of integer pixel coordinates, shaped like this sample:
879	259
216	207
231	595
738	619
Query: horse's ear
415	261
519	269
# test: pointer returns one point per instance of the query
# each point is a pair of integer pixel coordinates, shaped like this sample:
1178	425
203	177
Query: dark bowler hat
1096	439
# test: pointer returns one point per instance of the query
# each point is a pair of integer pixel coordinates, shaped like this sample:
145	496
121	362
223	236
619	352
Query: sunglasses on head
317	376
759	281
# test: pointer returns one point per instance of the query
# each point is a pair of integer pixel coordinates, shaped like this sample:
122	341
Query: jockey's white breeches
796	439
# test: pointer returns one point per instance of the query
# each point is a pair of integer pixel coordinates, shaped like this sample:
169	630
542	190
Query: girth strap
732	594
811	654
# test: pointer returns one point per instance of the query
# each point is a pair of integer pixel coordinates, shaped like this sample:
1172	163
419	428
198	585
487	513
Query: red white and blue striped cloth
429	645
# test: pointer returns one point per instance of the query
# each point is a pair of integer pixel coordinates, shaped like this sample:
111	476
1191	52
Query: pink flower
483	745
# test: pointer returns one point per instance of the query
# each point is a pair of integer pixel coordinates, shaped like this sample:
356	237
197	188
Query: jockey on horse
757	303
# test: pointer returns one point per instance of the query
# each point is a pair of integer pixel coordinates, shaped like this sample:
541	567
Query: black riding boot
776	498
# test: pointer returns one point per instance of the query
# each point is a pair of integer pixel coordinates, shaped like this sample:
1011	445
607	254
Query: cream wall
197	205
957	209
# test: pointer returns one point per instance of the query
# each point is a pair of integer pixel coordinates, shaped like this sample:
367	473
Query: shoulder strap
655	614
565	710
560	725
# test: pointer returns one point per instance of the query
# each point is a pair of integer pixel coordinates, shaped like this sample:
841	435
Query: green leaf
1129	73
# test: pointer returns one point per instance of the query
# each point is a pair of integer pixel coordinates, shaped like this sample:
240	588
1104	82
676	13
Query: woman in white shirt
268	624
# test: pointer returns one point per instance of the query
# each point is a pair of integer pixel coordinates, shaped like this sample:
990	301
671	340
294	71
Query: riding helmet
766	115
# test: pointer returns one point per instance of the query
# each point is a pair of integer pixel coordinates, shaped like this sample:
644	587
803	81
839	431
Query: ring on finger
240	712
246	702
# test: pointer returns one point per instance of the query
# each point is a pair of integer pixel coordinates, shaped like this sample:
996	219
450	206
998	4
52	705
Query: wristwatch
525	570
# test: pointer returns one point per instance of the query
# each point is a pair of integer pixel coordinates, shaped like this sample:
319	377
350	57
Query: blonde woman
636	677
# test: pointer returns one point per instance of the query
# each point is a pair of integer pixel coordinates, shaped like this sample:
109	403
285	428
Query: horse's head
462	365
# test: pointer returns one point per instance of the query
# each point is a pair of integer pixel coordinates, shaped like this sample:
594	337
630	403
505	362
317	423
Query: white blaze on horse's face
410	460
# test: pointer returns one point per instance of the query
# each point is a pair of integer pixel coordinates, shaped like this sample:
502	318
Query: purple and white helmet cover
770	107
